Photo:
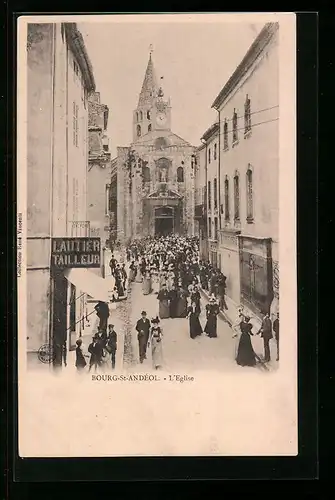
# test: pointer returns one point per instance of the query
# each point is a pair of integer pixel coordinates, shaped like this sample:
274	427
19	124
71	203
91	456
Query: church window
161	143
148	115
209	155
215	153
226	198
141	116
146	174
250	201
236	196
247	116
149	127
138	130
180	174
235	133
225	135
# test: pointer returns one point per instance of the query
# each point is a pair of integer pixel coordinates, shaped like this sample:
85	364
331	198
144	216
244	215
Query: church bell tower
153	113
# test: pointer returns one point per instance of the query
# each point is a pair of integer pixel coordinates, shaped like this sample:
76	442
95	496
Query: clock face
161	119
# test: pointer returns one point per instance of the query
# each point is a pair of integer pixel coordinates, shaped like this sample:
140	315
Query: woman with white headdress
212	311
155	340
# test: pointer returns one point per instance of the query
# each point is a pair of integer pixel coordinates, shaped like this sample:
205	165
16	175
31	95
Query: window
209	227
146	174
209	196
215	228
149	127
215	152
107	198
148	115
215	194
235	134
161	143
136	116
75	124
141	115
250	201
180	174
247	116
138	130
225	135
226	198
236	197
209	155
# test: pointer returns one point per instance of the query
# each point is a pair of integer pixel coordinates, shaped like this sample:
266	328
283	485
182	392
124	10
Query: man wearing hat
111	343
143	328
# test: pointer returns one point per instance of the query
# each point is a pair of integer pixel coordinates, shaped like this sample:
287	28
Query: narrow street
182	354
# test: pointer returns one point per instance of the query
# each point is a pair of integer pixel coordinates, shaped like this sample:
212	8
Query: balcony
80	229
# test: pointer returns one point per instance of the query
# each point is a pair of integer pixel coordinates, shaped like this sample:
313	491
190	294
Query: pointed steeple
149	87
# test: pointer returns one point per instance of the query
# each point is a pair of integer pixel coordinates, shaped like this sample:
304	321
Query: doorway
163	226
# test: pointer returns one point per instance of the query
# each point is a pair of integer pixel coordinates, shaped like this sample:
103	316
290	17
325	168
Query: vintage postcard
156	235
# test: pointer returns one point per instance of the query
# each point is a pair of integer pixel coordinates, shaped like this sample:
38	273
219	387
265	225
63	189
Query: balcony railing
80	229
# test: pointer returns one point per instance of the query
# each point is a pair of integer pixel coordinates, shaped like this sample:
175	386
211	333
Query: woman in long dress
138	276
195	326
245	352
164	308
155	339
182	303
212	311
147	283
132	272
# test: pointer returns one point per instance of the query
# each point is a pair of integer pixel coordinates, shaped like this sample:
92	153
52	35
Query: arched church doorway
164	221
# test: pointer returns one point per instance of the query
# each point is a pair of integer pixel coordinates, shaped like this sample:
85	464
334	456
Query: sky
195	60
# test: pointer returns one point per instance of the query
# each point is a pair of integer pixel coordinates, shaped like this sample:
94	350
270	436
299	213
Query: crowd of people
170	268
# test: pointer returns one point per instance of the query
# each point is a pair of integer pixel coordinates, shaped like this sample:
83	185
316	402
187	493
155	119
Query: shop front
72	283
256	273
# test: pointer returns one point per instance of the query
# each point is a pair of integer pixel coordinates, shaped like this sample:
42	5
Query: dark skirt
164	311
173	308
195	326
245	353
182	308
211	326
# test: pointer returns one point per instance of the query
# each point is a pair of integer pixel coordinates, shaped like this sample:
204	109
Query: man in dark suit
143	328
111	343
266	334
102	310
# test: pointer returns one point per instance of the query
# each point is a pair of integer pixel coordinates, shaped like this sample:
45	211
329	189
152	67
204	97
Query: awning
87	282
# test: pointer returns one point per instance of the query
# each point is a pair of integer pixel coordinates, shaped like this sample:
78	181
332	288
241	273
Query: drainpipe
206	198
219	172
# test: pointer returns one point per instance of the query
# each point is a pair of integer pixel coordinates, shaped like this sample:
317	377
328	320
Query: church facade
155	188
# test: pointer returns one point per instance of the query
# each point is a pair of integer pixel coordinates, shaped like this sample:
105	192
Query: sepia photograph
156	234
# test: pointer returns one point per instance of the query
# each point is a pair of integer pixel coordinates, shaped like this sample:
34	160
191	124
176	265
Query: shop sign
75	252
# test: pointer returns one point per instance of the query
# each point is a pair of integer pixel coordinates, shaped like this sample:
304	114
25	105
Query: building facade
201	229
99	173
155	188
59	80
212	177
248	110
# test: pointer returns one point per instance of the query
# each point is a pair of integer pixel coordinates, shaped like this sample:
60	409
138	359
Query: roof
212	130
149	86
77	45
250	57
